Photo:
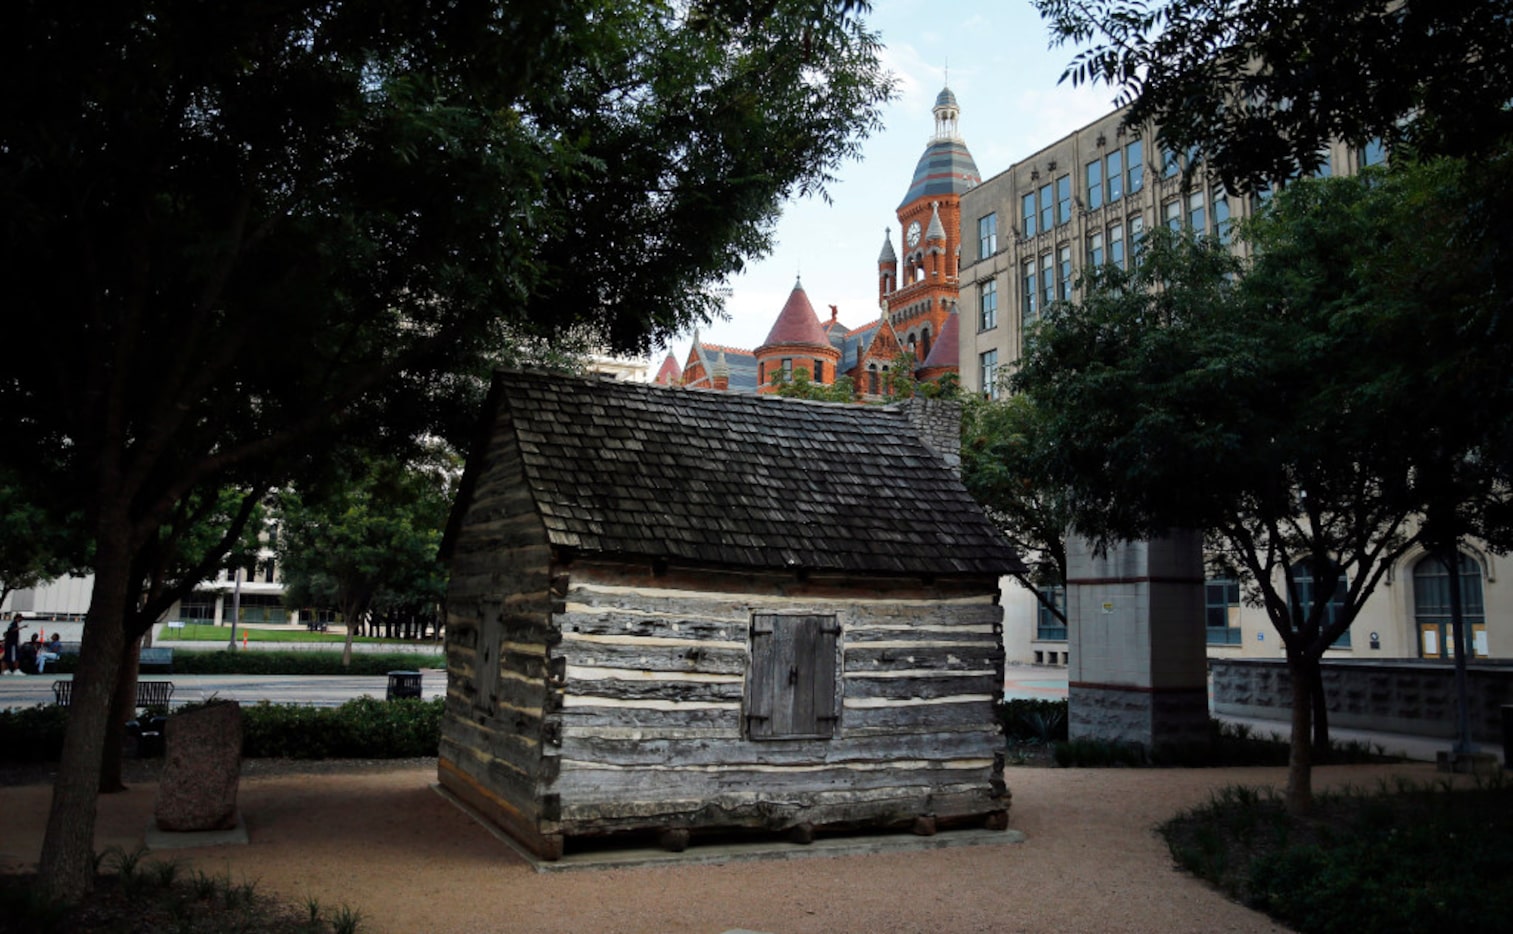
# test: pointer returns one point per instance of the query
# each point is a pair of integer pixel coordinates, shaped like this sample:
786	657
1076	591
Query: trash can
404	684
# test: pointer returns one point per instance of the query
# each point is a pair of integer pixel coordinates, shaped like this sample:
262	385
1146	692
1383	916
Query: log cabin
674	612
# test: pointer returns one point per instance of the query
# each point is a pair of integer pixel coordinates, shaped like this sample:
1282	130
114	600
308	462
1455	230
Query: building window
1064	274
198	607
1029	214
1116	244
924	344
987	363
1030	295
1134	161
268	571
1136	238
1047	280
1171	163
1115	175
1197	212
1303	581
1063	200
788	368
1431	608
1222	220
263	608
790	686
1047	208
1171	214
1095	250
1095	184
988	302
987	235
1047	625
819	371
872	379
1222	610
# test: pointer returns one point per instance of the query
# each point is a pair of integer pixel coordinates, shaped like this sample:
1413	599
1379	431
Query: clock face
914	233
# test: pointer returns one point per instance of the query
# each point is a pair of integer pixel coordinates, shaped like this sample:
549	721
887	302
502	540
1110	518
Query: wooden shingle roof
634	470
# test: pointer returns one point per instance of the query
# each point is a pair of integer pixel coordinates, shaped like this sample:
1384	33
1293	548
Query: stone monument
197	791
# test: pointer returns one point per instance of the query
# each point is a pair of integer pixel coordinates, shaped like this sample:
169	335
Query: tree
1192	394
35	546
800	386
267	230
1259	88
1002	465
369	539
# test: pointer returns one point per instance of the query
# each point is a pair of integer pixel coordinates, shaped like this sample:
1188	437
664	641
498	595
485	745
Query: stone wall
1405	696
937	422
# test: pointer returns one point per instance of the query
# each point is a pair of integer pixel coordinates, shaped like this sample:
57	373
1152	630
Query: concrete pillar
1138	671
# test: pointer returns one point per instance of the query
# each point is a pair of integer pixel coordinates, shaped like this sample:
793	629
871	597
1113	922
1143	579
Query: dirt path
382	841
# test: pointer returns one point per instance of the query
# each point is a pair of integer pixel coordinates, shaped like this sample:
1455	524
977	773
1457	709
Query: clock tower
919	291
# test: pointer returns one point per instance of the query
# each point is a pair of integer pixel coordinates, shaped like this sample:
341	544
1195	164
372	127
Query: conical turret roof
945	352
797	323
887	255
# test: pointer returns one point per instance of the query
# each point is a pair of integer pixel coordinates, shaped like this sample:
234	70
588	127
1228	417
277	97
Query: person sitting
49	651
26	657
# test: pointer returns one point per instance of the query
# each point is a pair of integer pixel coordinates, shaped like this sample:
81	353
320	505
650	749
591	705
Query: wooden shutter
790	685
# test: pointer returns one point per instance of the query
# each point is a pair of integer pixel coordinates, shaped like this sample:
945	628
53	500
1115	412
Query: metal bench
156	658
149	693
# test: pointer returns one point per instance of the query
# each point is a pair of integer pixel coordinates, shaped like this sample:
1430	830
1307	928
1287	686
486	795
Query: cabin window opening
791	679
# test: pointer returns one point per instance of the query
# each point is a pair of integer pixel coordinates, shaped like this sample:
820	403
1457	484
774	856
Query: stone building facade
1032	230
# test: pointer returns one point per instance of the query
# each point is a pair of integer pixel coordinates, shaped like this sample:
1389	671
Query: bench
149	693
156	658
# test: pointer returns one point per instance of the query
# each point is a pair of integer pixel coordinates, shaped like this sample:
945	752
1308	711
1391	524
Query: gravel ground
376	837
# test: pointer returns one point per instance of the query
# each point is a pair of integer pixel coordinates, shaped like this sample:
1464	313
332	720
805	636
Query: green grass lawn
200	632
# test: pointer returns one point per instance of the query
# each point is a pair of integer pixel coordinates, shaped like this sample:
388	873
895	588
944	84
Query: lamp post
236	609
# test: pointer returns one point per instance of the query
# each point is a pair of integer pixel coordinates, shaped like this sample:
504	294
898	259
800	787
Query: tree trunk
122	708
1299	762
67	866
1320	716
1451	561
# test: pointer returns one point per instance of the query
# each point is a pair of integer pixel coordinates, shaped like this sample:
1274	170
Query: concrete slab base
1468	763
182	840
612	857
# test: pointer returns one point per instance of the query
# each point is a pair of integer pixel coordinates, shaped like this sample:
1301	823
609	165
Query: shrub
1415	860
1032	721
282	662
362	728
33	734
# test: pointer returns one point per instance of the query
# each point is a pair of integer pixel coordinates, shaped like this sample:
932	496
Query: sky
1007	82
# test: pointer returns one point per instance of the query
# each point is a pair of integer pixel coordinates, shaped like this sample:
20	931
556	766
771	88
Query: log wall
499	631
651	734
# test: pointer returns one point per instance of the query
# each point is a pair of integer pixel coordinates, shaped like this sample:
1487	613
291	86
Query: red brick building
917	295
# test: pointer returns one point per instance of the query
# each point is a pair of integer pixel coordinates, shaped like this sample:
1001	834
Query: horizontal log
651	750
635	655
942	685
683	626
940	714
625	789
576	715
864	657
594	693
515	745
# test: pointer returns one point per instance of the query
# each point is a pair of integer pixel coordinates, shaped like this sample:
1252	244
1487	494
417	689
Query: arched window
872	379
1431	607
924	345
1303	579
